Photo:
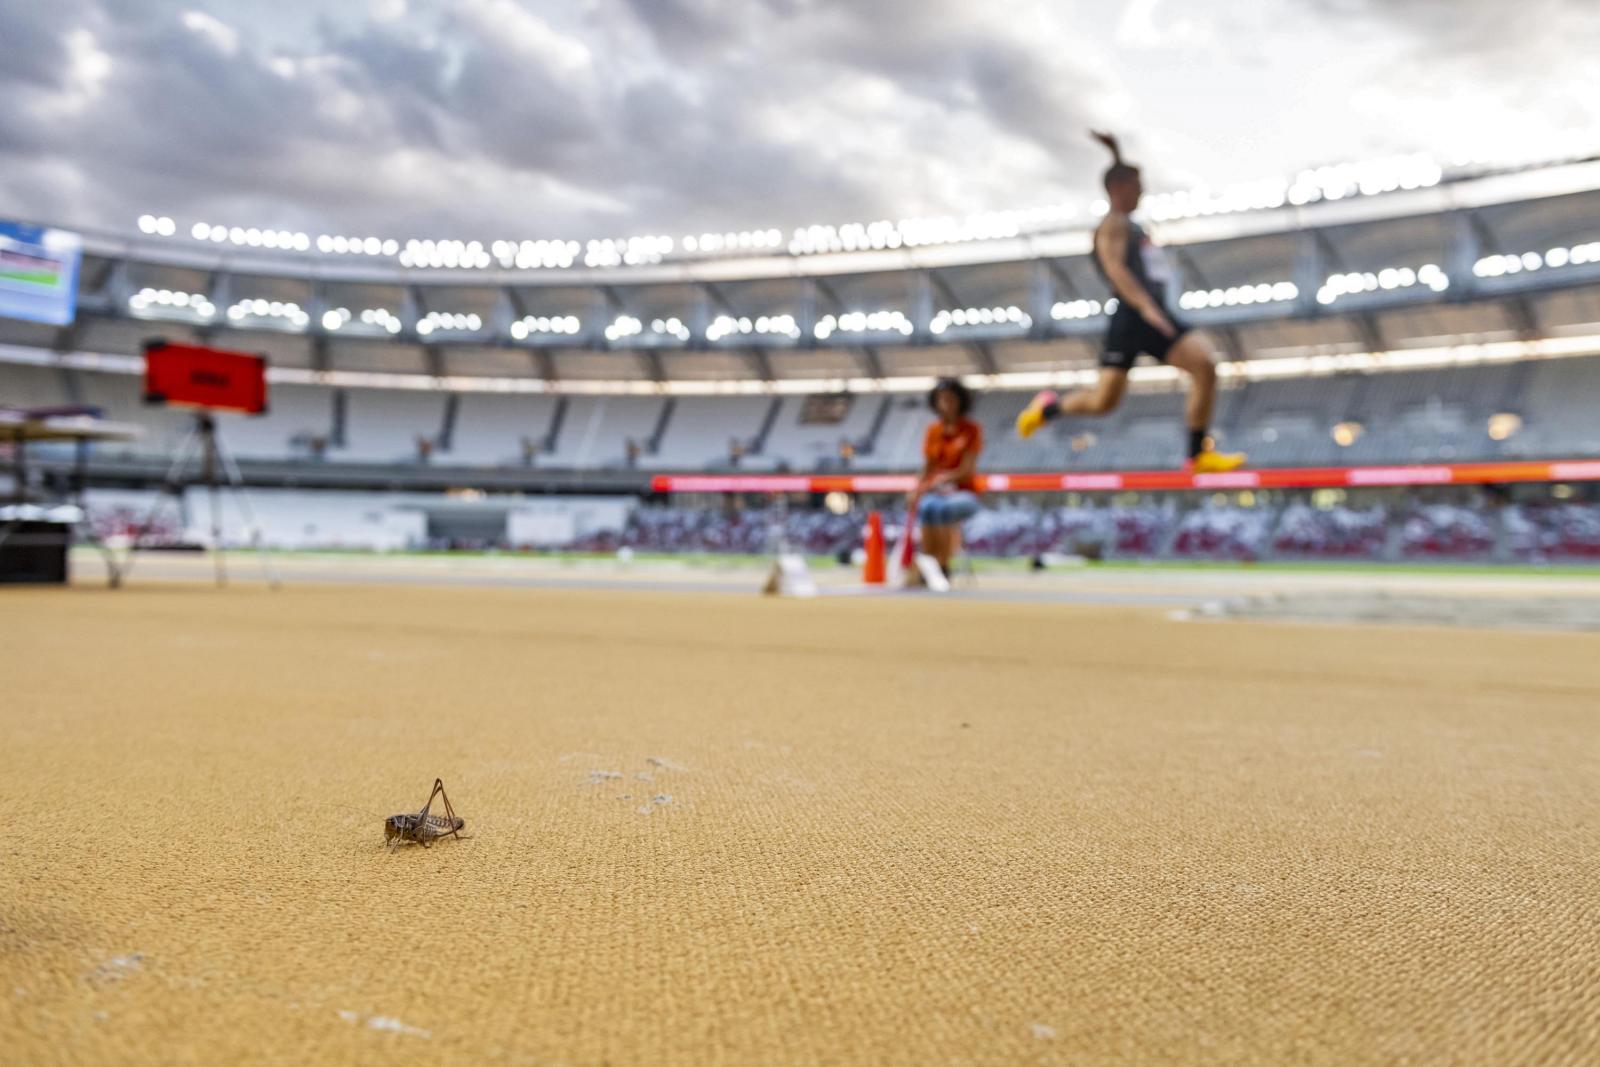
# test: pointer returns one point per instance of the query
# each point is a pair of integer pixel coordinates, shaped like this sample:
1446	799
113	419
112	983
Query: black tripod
214	461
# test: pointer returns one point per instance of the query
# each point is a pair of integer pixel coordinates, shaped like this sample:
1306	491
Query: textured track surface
710	829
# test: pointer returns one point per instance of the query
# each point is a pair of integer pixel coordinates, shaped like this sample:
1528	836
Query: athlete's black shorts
1131	337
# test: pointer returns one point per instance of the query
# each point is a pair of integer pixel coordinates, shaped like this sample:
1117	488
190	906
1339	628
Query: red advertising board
210	378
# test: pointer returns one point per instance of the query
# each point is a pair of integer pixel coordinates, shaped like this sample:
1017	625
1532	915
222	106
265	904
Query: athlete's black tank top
1145	261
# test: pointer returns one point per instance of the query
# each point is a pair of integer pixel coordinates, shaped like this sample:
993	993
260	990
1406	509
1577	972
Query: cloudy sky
583	118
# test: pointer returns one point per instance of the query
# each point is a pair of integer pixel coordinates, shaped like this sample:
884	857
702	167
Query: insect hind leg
450	812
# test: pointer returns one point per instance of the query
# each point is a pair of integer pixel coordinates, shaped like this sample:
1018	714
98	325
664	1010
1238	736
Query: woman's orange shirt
945	448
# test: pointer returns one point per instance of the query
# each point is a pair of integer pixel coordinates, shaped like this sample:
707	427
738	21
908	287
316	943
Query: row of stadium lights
1240	296
884	321
766	325
442	320
196	303
1555	258
1011	316
1308	187
560	325
1342	182
1070	310
625	326
1387	280
372	318
864	322
1272	292
288	312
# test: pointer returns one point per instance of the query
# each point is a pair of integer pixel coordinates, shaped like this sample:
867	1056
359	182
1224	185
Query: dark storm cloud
154	114
539	118
32	45
493	116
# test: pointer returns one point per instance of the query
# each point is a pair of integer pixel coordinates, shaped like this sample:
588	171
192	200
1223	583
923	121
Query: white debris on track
117	968
660	800
386	1024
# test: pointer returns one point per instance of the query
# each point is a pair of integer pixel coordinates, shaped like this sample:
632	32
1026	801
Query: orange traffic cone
874	571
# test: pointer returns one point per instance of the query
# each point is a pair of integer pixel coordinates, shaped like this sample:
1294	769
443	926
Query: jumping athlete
946	494
1137	271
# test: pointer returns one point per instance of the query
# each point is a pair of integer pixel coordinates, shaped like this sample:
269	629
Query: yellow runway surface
714	829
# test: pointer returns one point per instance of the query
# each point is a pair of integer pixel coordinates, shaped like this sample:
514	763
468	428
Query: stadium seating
490	429
1401	417
1447	531
1553	532
1332	533
1223	533
385	425
702	428
816	447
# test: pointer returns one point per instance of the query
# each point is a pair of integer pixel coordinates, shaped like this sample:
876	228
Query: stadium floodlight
766	325
533	325
1498	266
281	314
1069	310
435	321
1009	317
1367	178
1234	296
1503	425
864	322
623	326
1355	283
171	304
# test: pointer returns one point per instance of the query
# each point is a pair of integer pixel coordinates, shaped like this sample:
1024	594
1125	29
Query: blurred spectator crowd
1297	530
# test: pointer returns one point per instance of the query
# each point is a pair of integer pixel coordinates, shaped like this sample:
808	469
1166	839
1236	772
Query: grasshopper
422	828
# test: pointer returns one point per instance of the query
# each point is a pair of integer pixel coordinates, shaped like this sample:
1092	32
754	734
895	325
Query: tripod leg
241	500
84	529
214	494
173	482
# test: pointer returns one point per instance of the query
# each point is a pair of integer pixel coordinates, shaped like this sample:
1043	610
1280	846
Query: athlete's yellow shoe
1209	462
1034	415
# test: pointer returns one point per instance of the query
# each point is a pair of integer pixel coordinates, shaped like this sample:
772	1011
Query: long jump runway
1568	601
714	829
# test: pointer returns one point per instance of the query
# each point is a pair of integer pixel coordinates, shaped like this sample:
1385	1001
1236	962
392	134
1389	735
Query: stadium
1380	315
1288	763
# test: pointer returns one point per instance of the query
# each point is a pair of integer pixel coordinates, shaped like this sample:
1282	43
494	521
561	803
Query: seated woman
946	494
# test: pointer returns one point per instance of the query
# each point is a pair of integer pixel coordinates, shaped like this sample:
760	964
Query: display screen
39	273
